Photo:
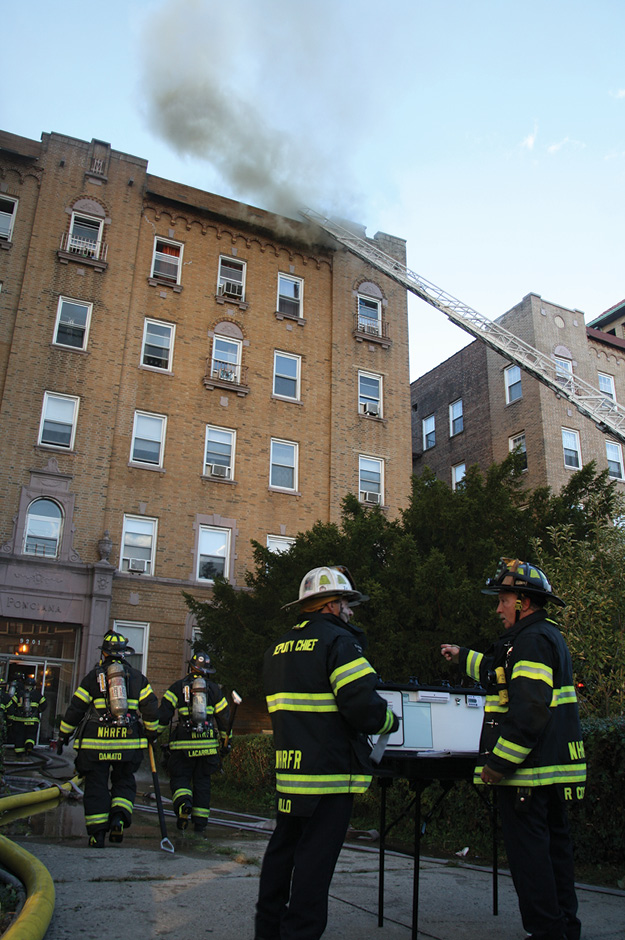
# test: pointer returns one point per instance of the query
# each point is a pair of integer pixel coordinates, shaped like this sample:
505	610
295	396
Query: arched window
44	520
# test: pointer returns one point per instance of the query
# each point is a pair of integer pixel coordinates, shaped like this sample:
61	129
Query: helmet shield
521	577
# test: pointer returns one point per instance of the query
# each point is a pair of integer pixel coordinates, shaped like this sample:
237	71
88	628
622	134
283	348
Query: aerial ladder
608	416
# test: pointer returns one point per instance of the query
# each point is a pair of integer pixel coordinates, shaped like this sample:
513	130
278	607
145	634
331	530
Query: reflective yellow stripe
143	694
102	744
83	695
508	750
540	776
342	675
118	802
301	702
388	722
171	698
219	707
528	670
474	661
492	704
318	784
564	696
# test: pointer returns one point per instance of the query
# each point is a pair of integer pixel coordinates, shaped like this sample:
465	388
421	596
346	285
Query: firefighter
322	699
532	745
200	733
23	713
121	715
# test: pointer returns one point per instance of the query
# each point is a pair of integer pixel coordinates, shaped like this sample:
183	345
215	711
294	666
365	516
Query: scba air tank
118	698
198	700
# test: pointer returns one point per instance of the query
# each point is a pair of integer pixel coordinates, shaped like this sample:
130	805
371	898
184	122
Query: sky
489	134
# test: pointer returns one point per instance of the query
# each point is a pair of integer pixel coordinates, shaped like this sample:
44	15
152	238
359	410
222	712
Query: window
72	323
606	385
283	469
226	364
85	235
512	377
279	543
286	375
158	344
370	480
564	371
214	553
219	452
290	290
167	260
369	315
456	418
429	432
572	453
137	636
370	394
614	453
138	544
42	534
457	475
8	210
148	439
231	281
517	443
58	420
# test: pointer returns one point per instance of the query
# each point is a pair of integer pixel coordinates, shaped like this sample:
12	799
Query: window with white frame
286	375
85	235
428	426
148	439
167	260
606	385
138	544
226	362
290	291
571	448
42	532
283	464
279	543
564	371
370	394
73	318
371	480
219	452
213	553
231	279
614	453
369	315
517	443
458	473
158	345
456	417
8	211
58	420
512	378
137	635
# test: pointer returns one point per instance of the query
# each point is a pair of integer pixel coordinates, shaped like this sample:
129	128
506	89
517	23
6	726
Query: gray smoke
251	88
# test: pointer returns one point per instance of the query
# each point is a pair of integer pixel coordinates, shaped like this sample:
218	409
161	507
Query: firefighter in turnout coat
532	746
322	699
23	713
195	741
121	715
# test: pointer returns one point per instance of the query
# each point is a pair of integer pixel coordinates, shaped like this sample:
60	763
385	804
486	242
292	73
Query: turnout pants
190	779
540	854
100	804
297	870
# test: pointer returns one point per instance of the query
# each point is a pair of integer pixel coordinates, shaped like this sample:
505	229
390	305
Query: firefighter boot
184	814
96	839
117	829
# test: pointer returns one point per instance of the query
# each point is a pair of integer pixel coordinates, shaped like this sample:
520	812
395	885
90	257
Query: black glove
152	736
62	742
395	724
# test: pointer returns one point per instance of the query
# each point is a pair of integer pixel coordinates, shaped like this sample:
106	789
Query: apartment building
476	406
180	373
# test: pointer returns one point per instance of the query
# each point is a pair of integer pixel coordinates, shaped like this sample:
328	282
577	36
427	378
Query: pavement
208	887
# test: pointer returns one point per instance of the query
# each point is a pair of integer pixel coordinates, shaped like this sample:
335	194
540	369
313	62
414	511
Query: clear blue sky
490	134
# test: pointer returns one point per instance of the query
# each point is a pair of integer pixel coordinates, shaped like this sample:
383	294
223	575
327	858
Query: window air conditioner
137	564
371	497
371	408
219	470
230	289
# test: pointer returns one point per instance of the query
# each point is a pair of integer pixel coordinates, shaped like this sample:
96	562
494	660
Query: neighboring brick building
477	406
179	373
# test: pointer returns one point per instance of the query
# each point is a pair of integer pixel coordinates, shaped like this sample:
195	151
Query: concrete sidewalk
136	891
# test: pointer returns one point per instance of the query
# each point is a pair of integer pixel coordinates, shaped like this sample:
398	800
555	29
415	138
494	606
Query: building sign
42	640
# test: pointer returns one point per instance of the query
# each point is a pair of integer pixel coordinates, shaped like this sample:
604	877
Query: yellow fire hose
36	914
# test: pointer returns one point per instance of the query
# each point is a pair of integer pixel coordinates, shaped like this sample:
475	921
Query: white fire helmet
335	582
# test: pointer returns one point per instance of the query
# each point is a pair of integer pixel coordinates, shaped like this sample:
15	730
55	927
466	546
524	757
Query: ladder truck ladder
608	416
